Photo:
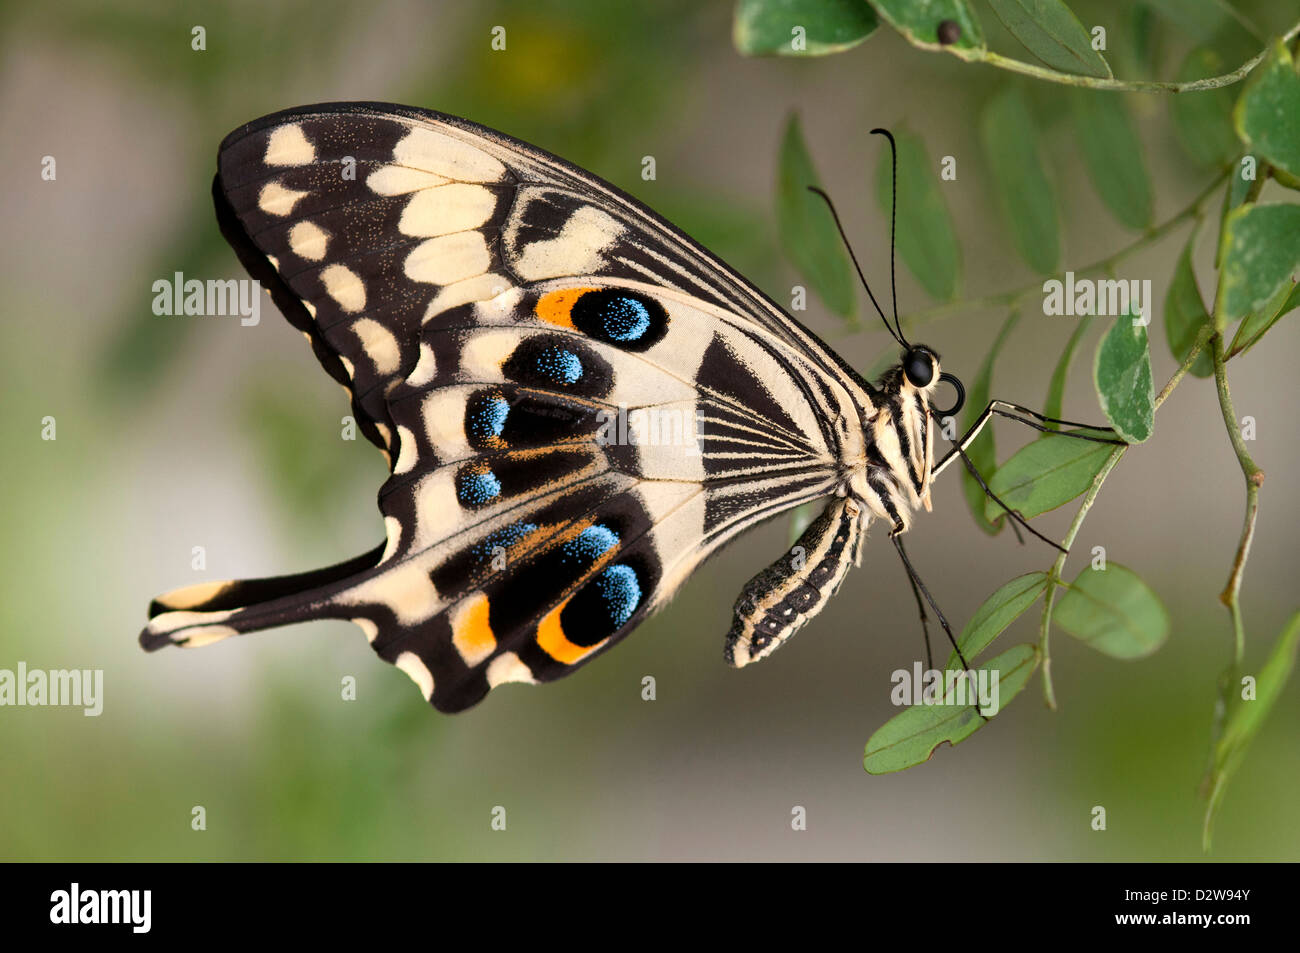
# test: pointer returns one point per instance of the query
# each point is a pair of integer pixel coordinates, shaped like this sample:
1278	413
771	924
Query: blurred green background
183	432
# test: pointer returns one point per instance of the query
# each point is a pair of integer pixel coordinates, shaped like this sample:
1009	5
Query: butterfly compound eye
918	365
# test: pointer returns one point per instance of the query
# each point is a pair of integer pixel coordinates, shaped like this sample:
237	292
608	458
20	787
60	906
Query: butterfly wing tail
210	611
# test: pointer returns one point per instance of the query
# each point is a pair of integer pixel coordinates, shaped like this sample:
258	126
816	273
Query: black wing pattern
578	403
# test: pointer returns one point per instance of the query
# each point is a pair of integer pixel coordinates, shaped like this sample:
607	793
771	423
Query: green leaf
914	734
807	229
1260	248
1185	314
1258	322
927	242
1028	204
800	519
918	21
1246	717
1235	195
1114	611
1113	154
1050	30
1267	116
1045	474
1203	119
998	611
768	27
1122	373
982	450
1055	403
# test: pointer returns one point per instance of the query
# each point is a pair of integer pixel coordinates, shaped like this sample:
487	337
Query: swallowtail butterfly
517	337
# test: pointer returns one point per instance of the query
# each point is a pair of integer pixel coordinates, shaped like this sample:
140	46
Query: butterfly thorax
899	453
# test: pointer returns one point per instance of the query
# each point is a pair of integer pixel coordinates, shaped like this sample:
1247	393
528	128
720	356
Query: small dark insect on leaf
949	32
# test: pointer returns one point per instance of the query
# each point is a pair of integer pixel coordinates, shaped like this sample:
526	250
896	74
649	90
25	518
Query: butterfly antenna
893	218
854	258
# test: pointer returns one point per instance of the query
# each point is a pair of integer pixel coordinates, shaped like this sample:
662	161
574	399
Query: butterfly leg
211	611
781	599
1012	411
897	537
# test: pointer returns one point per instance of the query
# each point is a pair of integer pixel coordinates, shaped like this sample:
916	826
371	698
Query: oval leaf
1045	474
801	27
1028	204
1203	119
919	22
1122	373
1114	611
913	735
1267	116
997	612
1113	154
1260	248
808	231
927	242
1185	314
982	451
1050	30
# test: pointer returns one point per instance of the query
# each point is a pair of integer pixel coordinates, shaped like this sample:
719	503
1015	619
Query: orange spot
551	637
554	306
471	631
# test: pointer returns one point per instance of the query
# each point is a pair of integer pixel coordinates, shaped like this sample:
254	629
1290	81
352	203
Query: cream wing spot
442	211
368	628
508	667
288	145
407	450
380	345
405	588
398	180
449	258
412	665
275	199
308	241
393	527
426	368
343	285
446	156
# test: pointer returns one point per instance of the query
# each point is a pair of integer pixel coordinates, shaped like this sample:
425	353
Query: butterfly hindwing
518	337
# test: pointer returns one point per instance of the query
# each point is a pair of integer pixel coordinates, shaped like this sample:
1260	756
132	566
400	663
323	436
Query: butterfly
578	404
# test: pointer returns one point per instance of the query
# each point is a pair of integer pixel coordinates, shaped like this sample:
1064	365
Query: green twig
1254	479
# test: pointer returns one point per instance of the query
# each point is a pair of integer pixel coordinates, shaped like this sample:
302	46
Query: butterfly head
920	367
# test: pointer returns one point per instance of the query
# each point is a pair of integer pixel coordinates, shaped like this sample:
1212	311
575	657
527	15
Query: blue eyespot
560	365
621	592
625	319
475	489
487	416
591	543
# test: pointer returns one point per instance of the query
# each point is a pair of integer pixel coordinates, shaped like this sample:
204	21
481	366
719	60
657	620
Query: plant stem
1254	479
1054	574
1098	82
1006	298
